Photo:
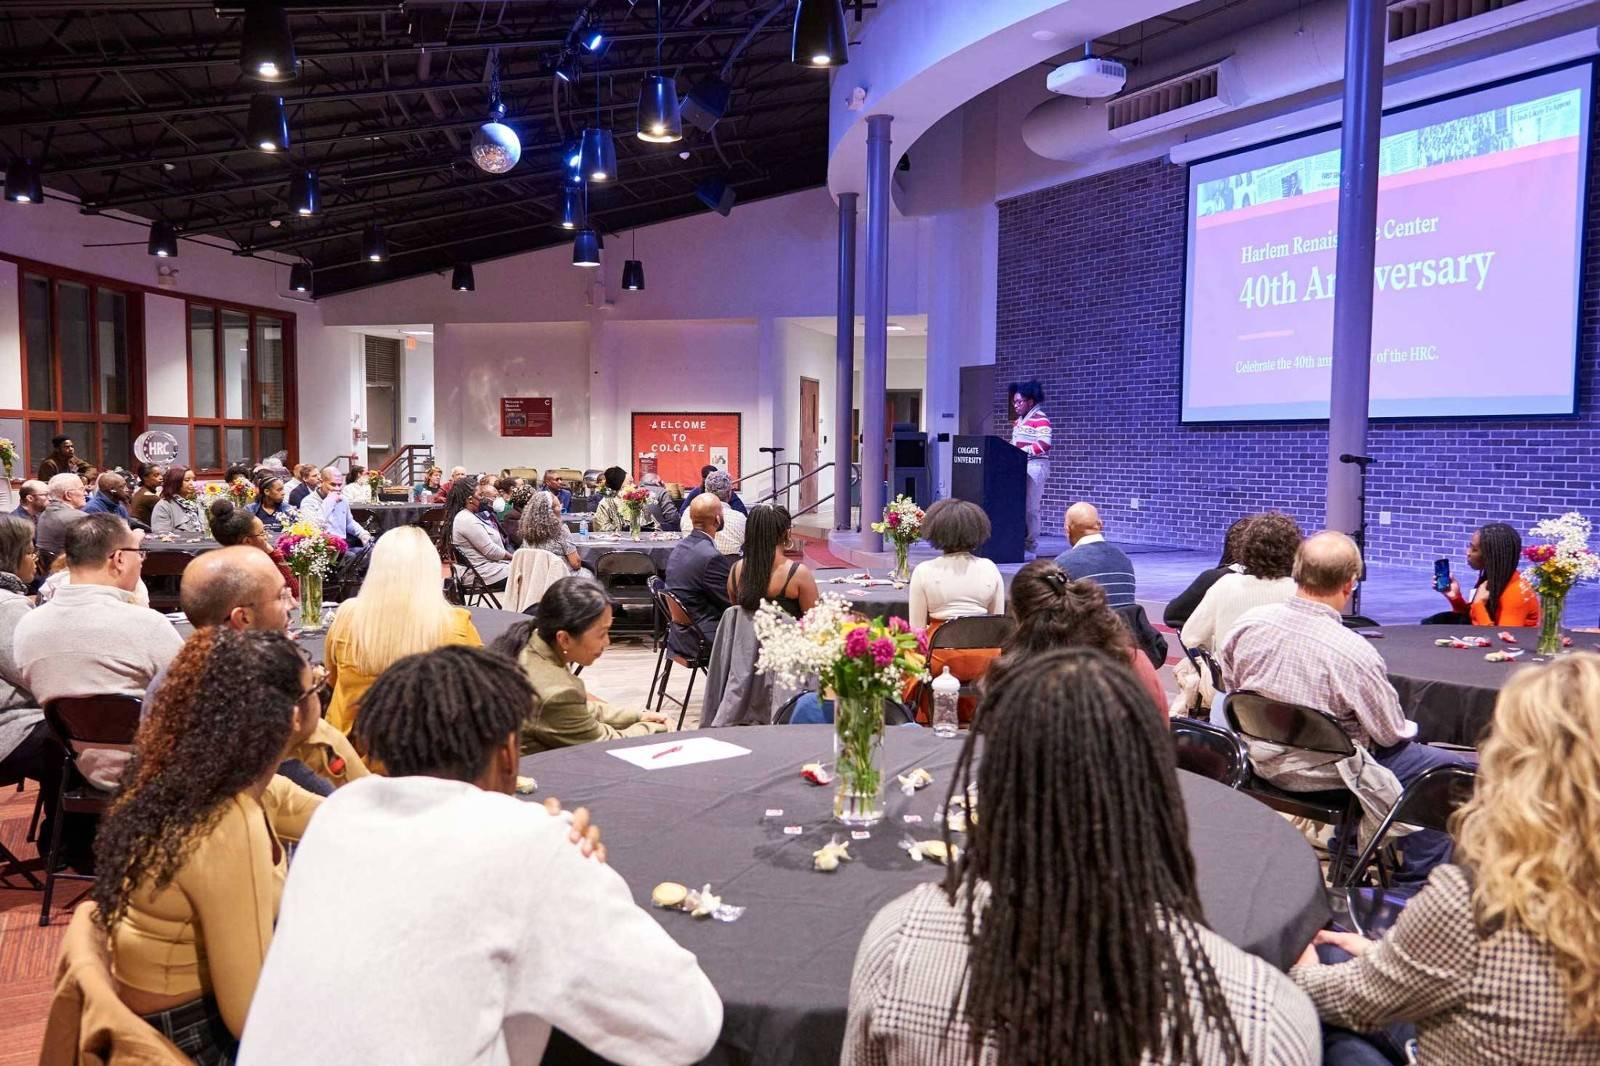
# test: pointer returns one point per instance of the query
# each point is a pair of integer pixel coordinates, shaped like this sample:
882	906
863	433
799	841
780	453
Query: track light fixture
267	49
267	128
820	38
567	68
586	248
300	277
461	279
586	32
574	216
374	246
305	195
22	182
163	240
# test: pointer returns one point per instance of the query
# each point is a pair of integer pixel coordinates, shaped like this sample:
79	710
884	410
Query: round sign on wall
155	446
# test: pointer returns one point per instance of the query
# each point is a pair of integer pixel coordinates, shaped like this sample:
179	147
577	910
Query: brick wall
1091	303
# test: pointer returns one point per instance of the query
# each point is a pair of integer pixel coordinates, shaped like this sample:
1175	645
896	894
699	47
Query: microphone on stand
1357	460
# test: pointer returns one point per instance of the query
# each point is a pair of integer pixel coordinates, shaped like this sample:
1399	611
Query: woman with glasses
231	524
190	860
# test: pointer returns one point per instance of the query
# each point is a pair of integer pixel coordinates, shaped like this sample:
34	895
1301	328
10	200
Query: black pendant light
163	240
305	196
267	49
300	277
633	269
461	279
599	151
660	120
374	248
267	128
22	182
820	38
573	214
586	248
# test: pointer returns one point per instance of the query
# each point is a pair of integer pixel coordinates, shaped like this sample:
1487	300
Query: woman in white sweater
957	584
1268	554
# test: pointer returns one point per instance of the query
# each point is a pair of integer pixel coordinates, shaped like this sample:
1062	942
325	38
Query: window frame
254	424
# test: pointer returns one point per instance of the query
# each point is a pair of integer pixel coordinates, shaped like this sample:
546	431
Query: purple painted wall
1091	303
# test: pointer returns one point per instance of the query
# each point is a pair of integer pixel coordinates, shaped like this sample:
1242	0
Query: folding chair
10	864
82	722
625	576
681	622
1210	751
162	571
657	587
432	523
471	588
1251	714
975	633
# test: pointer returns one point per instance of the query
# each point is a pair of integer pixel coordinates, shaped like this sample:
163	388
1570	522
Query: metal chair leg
53	858
661	692
655	675
688	693
38	812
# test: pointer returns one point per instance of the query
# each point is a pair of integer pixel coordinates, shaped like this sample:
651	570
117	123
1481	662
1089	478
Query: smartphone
1441	574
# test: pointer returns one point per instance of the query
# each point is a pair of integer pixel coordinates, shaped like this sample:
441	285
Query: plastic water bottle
946	699
583	525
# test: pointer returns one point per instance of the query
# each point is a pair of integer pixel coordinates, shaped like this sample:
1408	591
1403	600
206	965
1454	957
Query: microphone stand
1360	462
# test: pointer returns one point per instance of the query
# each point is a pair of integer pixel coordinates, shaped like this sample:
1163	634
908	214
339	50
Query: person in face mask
475	533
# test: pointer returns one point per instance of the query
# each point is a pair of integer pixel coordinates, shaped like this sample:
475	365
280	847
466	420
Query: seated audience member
511	518
32	498
178	509
541	527
1181	606
1268	555
91	639
765	573
63	459
111	496
189	858
231	524
236	472
697	574
1052	611
1497	960
1006	960
275	514
400	610
475	533
144	497
63	509
1299	651
608	514
327	509
235	587
307	486
728	496
665	509
1094	558
445	724
730	536
957	584
554	485
431	488
1501	597
296	478
356	489
573	629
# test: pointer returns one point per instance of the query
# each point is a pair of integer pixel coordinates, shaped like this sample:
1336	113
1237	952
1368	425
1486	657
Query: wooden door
810	435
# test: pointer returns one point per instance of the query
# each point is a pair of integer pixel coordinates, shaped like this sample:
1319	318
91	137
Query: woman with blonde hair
1497	960
400	611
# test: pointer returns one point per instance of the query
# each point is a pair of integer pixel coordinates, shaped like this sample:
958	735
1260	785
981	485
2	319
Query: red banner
683	442
526	416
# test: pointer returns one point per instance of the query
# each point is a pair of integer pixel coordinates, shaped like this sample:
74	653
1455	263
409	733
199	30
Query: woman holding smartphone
1501	597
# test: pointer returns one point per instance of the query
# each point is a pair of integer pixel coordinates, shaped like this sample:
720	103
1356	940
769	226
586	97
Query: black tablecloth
387	516
183	545
1450	692
593	546
489	623
877	601
783	969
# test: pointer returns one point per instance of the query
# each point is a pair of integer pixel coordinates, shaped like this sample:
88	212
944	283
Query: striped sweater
1031	433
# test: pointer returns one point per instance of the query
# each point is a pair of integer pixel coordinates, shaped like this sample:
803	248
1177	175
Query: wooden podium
991	473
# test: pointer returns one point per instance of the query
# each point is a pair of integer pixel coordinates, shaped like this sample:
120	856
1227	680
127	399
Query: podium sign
991	473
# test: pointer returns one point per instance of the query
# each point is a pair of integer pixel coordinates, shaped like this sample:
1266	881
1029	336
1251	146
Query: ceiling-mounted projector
1088	77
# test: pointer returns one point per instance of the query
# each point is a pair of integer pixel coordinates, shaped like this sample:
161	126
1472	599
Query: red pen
667	751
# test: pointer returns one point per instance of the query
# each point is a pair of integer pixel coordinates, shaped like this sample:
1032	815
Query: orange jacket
1519	606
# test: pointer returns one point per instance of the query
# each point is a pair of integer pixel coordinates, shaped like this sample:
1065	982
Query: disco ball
495	148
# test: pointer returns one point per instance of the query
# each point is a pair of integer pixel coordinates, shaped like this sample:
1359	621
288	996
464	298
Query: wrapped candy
701	903
828	857
816	773
931	851
918	778
1503	656
1507	636
526	785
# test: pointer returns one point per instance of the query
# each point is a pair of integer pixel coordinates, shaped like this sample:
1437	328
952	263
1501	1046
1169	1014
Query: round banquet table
876	601
783	969
489	623
656	545
182	544
1450	692
387	516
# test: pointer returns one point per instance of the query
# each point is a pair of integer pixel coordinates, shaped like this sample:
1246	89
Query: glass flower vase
902	571
858	749
635	521
311	602
1551	607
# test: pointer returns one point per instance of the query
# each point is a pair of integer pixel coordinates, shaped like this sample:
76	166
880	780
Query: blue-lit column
1358	222
875	364
844	362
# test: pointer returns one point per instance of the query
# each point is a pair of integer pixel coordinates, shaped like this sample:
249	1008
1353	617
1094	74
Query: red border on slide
1455	168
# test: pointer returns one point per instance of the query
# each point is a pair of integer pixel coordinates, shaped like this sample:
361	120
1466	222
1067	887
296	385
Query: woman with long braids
1501	597
189	859
764	573
1070	928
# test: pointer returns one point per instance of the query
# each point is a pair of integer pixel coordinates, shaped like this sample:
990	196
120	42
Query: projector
1090	77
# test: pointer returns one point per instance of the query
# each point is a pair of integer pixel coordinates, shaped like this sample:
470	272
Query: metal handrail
764	470
855	479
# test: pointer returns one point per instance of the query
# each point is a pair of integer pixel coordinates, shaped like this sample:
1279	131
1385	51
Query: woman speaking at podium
1031	434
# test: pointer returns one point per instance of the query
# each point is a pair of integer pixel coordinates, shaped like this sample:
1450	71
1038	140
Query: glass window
236	365
84	441
111	323
269	367
39	434
239	445
207	448
203	361
72	319
271	441
41	364
115	448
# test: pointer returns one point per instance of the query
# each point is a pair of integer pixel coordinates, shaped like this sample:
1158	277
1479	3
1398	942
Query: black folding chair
1251	714
10	864
82	722
625	576
680	622
1145	636
471	589
1210	751
656	587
